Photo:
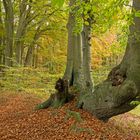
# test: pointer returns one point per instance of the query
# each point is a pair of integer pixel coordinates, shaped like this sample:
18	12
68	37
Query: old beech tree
114	95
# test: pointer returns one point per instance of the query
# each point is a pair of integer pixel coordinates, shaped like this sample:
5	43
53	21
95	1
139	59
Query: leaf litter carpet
19	121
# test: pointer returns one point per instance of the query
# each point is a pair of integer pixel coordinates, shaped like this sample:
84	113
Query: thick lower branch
108	100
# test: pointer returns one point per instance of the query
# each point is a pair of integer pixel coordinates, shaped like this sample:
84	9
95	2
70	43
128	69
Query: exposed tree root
109	100
58	99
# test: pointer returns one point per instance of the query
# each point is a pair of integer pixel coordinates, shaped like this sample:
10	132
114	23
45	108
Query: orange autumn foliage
104	48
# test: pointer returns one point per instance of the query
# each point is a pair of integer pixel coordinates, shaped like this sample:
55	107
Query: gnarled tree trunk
114	95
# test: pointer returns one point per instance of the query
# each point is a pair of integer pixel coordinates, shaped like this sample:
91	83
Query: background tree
9	31
25	21
1	36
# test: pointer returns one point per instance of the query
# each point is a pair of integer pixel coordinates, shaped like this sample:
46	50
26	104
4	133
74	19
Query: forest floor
19	121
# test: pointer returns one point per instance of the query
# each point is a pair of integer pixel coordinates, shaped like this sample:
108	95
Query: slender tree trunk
9	26
22	53
19	48
21	29
4	44
35	62
86	38
33	56
1	53
29	55
68	75
1	37
30	52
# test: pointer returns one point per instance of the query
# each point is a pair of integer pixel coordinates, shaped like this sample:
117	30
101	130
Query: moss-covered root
58	99
108	100
44	105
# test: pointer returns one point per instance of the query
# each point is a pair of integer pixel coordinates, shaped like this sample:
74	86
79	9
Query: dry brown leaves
19	121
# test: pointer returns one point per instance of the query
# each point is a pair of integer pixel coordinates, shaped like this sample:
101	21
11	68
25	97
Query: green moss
136	111
32	81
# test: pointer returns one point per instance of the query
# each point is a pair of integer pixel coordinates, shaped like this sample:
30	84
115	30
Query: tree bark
79	81
68	75
74	68
21	29
9	26
114	95
87	58
1	37
30	52
122	86
35	60
86	38
76	73
61	96
29	55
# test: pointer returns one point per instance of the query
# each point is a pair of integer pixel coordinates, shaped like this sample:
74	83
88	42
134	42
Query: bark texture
9	26
30	52
78	54
70	49
61	96
86	38
25	11
74	73
1	37
122	86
